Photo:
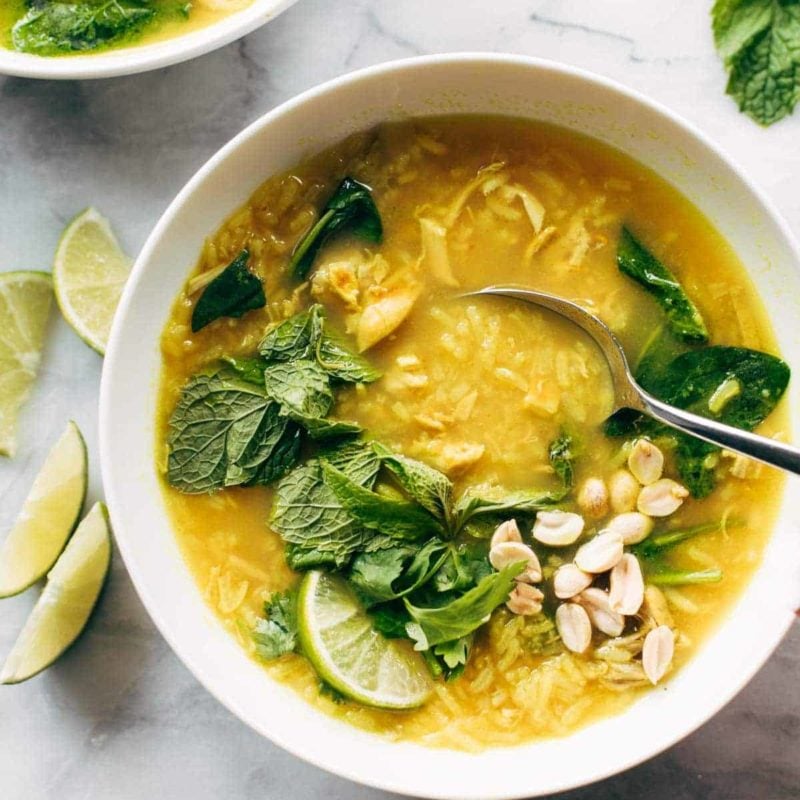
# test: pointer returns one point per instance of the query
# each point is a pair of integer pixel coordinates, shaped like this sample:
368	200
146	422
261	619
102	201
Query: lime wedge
89	273
48	516
64	606
25	300
338	638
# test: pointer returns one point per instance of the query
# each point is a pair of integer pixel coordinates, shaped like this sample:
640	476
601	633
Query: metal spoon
629	394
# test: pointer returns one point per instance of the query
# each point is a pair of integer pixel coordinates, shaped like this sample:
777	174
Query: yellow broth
475	376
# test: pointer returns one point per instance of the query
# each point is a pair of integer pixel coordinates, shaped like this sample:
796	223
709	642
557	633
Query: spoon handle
761	448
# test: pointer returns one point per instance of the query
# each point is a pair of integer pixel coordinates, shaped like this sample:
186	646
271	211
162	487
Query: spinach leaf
397	519
57	27
301	388
295	338
350	208
277	634
657	544
308	516
231	294
248	369
223	432
691	381
432	626
759	42
341	363
432	489
561	455
635	261
471	505
395	572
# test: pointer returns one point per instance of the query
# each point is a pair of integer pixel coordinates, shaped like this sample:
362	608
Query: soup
62	27
484	555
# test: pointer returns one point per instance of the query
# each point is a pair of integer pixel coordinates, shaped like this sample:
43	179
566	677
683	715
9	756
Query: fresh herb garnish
231	294
759	43
49	28
432	489
300	387
561	455
309	517
294	338
693	380
225	432
351	208
276	634
460	617
678	577
638	263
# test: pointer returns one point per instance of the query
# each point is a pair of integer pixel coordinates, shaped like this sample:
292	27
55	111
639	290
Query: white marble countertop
119	716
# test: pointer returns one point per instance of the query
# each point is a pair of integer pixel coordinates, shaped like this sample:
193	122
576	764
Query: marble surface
119	717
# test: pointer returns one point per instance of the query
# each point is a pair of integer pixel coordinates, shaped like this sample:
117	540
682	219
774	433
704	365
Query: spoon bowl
628	394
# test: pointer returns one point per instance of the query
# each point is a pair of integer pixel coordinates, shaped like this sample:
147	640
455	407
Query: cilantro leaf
395	572
231	294
561	455
277	634
759	41
460	617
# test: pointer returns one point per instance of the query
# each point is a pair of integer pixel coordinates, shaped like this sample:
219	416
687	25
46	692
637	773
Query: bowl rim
143	58
779	627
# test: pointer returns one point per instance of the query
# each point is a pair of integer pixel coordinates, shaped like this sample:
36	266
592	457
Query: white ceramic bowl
133	59
441	84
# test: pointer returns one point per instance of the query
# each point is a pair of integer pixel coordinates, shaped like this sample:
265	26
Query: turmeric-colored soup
63	27
414	507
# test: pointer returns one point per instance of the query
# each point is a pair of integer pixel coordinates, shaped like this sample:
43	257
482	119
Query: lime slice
25	300
338	638
64	606
48	516
89	273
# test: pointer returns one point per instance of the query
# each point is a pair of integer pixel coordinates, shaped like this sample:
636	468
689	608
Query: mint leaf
398	519
224	432
635	261
354	459
341	363
319	429
58	27
231	294
247	369
460	617
432	489
472	505
277	634
759	41
308	516
295	338
301	388
455	654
